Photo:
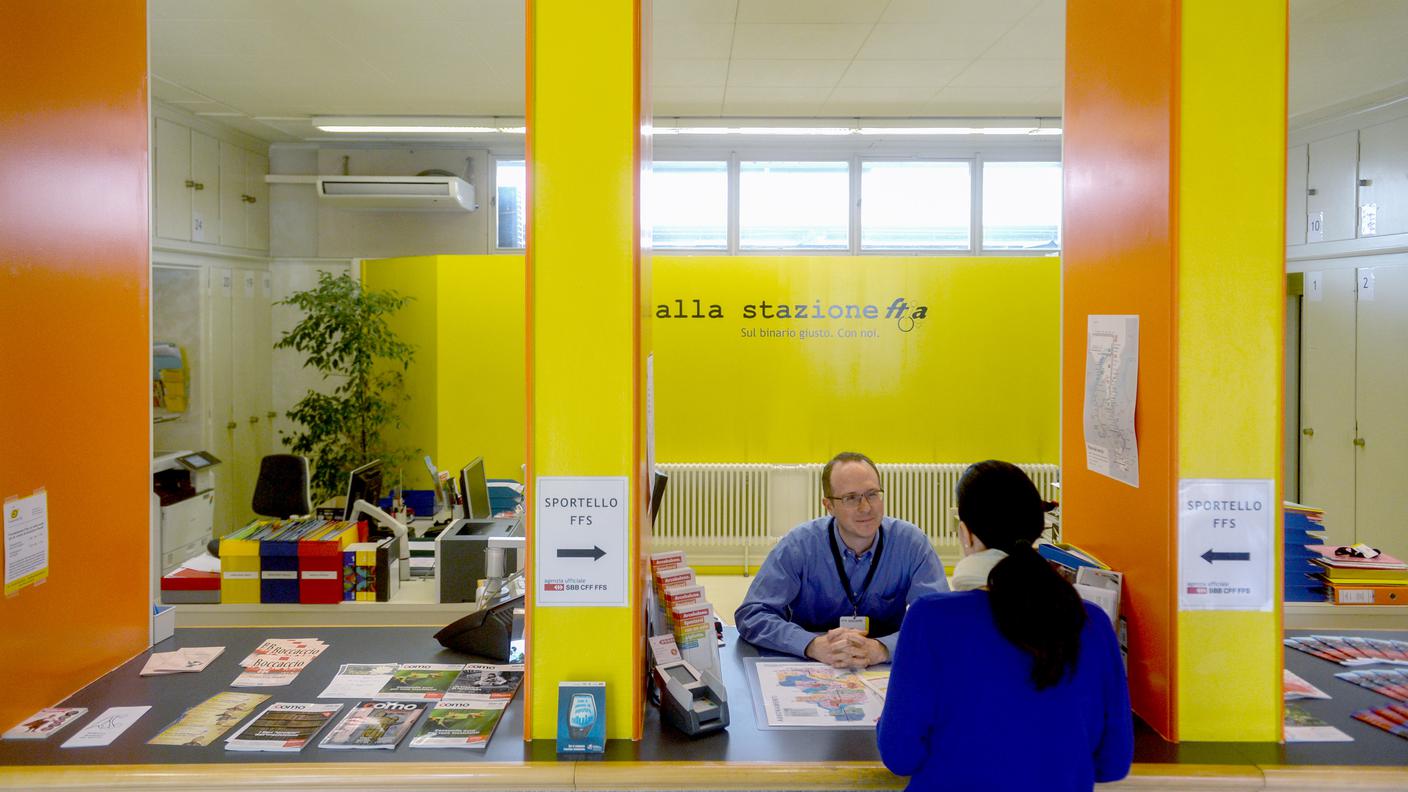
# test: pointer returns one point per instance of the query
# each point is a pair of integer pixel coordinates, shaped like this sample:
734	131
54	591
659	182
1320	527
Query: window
1021	205
511	183
689	205
794	206
916	205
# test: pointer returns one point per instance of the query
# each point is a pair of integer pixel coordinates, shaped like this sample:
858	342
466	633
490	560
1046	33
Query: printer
460	555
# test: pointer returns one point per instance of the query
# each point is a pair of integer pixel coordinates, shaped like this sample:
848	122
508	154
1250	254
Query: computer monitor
364	483
444	492
474	488
657	493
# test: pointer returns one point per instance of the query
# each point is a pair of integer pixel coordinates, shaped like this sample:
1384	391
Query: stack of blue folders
1304	525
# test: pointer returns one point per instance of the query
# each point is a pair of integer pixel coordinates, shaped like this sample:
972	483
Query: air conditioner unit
404	193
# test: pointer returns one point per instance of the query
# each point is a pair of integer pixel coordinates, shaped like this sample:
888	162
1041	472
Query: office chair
282	488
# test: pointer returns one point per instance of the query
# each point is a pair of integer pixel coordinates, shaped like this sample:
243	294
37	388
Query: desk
744	757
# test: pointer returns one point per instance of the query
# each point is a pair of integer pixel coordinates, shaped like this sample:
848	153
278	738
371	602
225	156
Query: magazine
359	680
1297	688
282	727
1301	726
419	682
460	724
204	723
481	682
277	661
375	724
44	723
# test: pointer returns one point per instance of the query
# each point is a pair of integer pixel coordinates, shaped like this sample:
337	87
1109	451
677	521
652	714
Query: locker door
173	171
261	366
232	191
1332	184
218	378
1327	400
244	390
205	201
1381	469
1383	169
257	207
1296	164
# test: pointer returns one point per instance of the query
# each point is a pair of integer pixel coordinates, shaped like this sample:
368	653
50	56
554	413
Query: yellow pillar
1231	324
1175	136
586	315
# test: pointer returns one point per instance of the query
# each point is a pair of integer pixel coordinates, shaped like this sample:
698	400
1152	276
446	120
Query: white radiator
747	507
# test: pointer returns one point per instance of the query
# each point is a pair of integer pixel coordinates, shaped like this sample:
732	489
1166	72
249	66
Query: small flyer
108	726
419	682
359	680
460	724
581	717
26	541
44	723
207	721
374	724
282	727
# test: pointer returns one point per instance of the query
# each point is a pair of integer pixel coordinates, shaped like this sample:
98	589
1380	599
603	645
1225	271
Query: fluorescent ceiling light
753	130
374	125
894	131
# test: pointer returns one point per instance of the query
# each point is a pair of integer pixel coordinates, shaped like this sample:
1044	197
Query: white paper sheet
26	541
105	728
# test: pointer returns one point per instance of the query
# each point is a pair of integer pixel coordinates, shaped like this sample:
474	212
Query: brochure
1392	719
207	721
375	724
282	727
359	680
44	723
105	728
192	659
1297	688
581	717
277	661
482	682
815	694
460	724
1301	726
419	682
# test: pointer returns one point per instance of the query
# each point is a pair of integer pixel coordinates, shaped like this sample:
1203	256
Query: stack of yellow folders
1354	579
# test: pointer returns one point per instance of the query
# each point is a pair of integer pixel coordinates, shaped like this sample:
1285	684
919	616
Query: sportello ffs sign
1226	544
582	548
904	314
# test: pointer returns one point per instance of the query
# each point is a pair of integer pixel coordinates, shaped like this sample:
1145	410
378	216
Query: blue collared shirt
797	595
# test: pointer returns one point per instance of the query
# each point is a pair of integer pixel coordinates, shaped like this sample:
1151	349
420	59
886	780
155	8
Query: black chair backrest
282	488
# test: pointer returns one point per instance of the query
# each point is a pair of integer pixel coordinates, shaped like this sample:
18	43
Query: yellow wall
978	377
466	383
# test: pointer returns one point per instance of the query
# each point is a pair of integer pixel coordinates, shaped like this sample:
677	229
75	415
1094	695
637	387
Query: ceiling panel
791	42
1032	38
751	100
901	73
681	40
694	11
1011	73
950	11
792	12
688	72
931	41
786	73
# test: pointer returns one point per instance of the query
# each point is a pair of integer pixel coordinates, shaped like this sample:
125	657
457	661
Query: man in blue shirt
835	589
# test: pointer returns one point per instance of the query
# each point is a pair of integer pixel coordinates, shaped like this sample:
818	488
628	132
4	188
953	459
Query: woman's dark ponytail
1033	606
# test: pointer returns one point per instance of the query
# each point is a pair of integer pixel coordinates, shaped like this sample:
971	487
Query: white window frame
974	193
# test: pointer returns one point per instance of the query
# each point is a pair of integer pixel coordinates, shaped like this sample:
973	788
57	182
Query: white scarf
972	571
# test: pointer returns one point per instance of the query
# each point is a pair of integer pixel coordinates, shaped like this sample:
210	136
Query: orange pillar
75	415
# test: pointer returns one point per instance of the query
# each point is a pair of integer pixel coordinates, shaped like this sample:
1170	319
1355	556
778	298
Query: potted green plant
345	335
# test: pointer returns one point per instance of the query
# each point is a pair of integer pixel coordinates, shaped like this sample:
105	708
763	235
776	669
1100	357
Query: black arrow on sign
594	554
1211	556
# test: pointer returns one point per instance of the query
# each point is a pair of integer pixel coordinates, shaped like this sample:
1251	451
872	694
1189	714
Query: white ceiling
267	66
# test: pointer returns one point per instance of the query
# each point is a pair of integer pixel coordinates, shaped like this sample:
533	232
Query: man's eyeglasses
852	500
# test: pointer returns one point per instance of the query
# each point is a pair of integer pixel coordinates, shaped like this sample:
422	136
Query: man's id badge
860	623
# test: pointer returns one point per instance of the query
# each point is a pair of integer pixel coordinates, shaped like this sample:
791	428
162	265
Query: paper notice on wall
583	541
1111	385
26	541
1226	544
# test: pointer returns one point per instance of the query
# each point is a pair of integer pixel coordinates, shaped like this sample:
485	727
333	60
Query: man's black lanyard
841	568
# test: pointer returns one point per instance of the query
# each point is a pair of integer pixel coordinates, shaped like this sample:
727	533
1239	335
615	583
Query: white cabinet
209	190
1383	178
1297	162
1331	185
1354	403
244	198
187	180
242	413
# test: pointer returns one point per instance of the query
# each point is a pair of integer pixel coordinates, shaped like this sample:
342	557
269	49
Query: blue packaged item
581	717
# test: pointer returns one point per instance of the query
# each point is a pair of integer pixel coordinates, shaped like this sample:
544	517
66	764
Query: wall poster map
813	694
1111	384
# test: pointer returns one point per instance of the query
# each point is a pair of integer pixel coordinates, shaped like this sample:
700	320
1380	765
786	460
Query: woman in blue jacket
1010	681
